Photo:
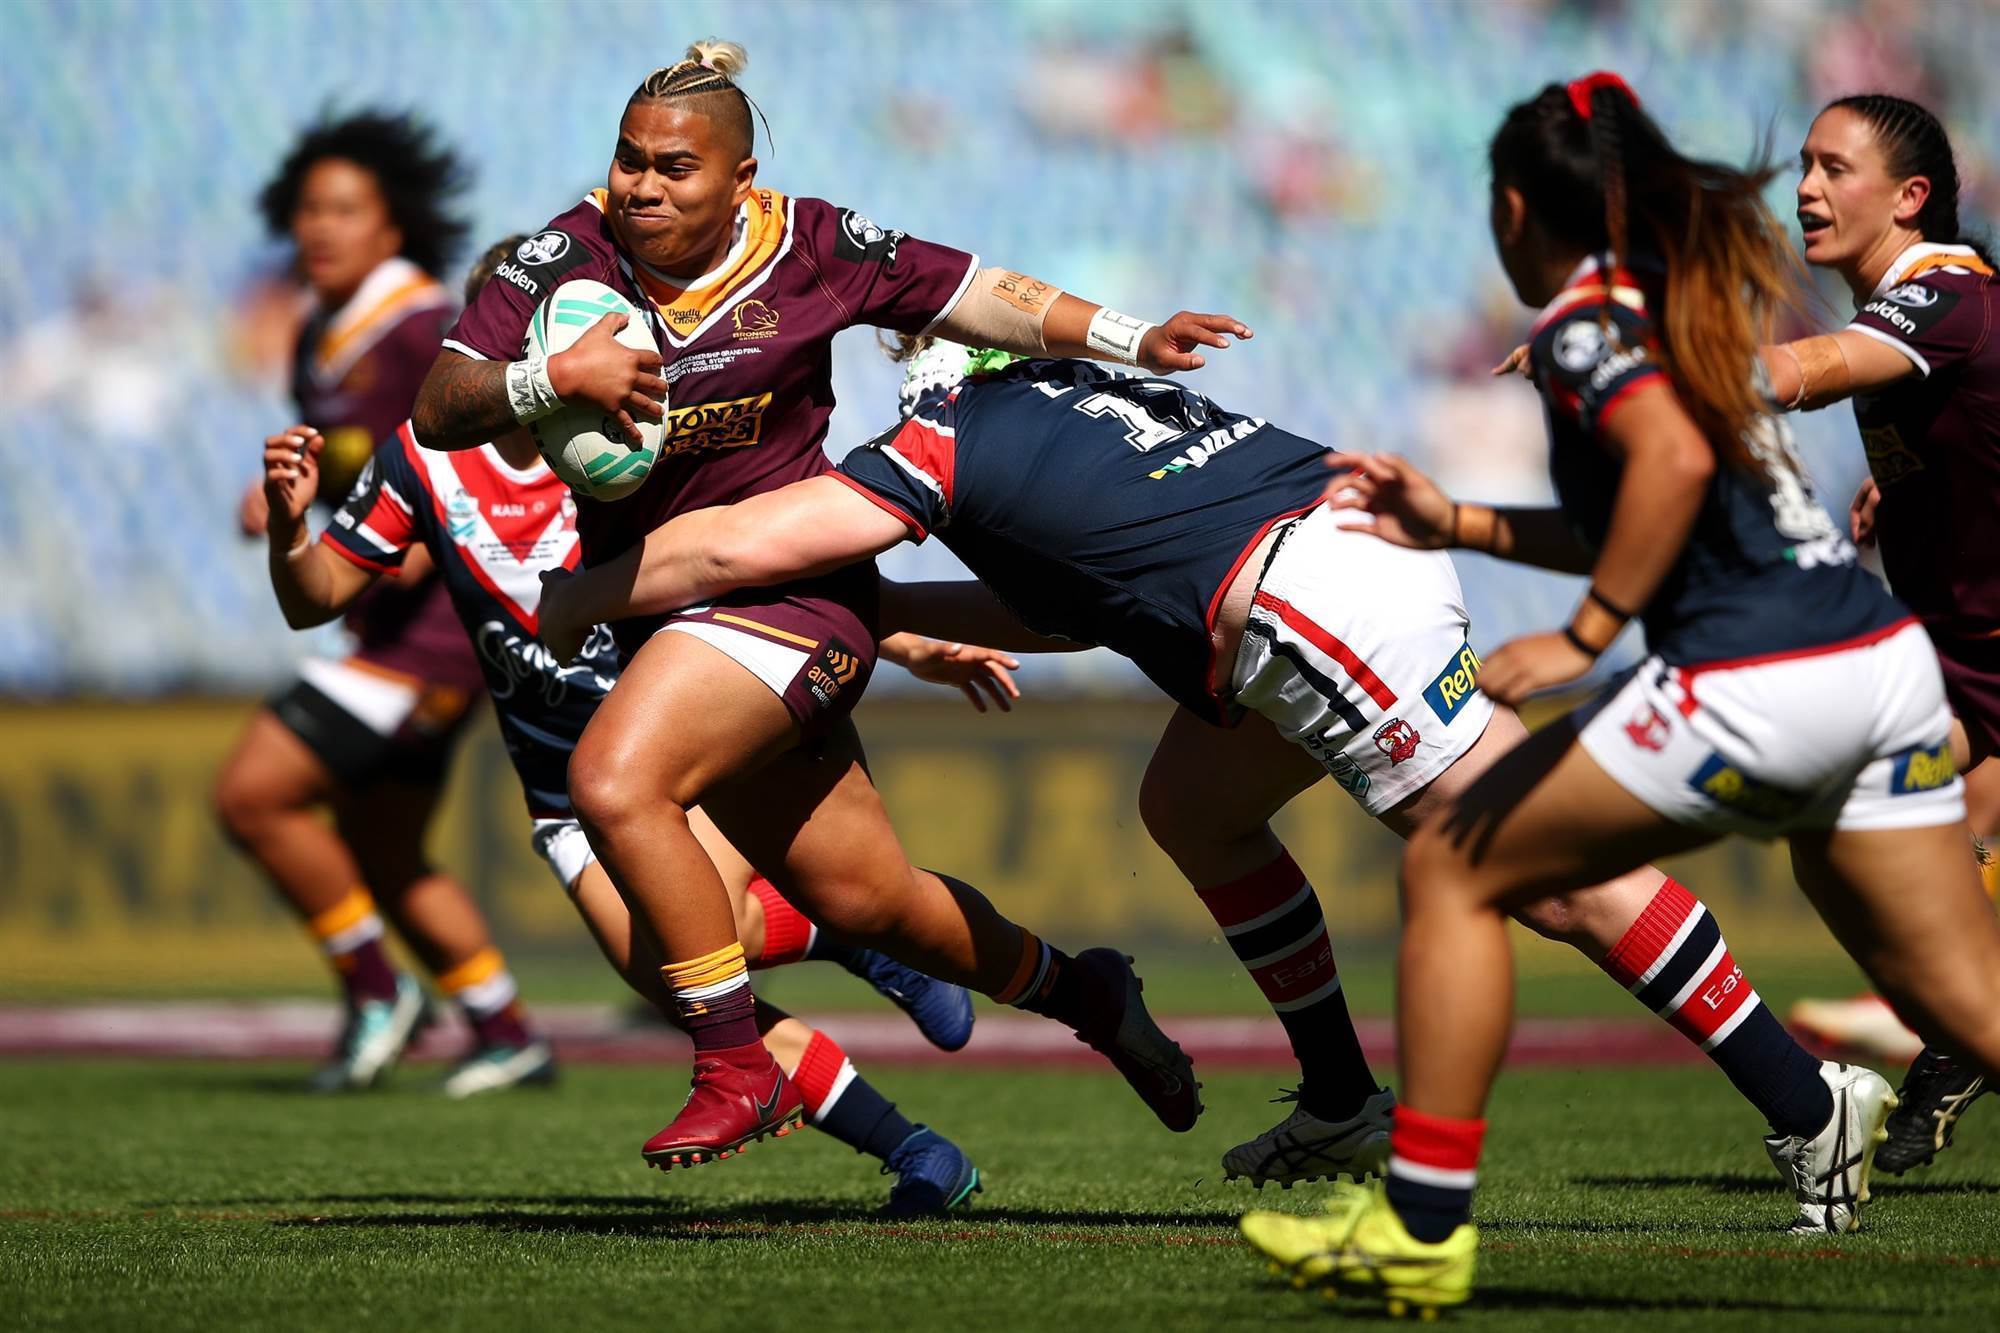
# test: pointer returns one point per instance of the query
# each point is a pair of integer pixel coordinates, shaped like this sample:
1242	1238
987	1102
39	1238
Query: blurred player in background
1138	514
1786	694
744	289
1878	202
493	520
366	201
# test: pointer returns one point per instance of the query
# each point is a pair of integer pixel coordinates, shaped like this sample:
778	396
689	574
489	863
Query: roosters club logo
1648	730
1397	739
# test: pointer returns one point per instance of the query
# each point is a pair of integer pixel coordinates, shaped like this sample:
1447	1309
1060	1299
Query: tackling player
366	202
1140	515
492	520
1786	693
1878	201
744	288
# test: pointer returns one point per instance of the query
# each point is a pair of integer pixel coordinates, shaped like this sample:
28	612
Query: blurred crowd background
1315	168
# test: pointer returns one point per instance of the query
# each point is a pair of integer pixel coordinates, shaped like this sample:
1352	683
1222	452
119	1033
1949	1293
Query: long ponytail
1598	174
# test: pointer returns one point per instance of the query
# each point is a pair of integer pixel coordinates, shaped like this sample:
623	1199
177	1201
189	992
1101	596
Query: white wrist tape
1115	336
529	392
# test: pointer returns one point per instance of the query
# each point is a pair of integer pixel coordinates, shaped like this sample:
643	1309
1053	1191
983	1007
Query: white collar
1914	254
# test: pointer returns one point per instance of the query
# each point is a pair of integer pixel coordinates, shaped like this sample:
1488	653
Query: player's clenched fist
599	370
291	475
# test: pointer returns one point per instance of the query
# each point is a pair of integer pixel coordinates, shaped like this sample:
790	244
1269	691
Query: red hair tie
1581	90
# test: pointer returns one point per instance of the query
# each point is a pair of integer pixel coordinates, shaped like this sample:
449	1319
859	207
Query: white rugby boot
1829	1172
377	1034
1303	1147
493	1068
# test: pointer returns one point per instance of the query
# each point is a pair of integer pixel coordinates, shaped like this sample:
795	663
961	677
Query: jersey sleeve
493	327
1926	320
394	369
1585	365
888	279
908	471
378	523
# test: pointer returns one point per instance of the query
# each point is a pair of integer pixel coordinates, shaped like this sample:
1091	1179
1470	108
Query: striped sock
788	935
485	990
1433	1163
351	934
1675	960
1272	920
845	1105
712	993
1044	982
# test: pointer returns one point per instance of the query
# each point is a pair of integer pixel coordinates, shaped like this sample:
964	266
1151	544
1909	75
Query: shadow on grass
694	1219
1752	1183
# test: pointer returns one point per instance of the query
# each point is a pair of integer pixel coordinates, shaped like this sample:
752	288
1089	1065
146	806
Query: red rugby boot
1113	1022
739	1096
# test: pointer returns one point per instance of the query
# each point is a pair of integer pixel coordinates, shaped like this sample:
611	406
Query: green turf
155	1195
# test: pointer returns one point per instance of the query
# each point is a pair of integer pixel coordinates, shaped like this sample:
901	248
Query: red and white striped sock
1674	959
1433	1165
845	1105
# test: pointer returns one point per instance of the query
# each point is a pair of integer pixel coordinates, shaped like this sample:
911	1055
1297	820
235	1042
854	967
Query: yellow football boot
1305	1248
1360	1247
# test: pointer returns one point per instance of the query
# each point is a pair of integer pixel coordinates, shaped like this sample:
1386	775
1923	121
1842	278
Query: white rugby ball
585	445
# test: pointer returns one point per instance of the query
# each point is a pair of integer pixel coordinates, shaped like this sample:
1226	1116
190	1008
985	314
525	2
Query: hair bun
728	59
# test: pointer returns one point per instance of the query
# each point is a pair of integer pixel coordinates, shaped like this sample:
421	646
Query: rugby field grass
190	1195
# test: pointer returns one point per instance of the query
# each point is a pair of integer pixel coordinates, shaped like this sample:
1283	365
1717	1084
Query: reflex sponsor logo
1458	682
1726	784
1922	770
733	424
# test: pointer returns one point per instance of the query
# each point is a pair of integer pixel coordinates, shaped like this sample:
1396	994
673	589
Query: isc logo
1458	682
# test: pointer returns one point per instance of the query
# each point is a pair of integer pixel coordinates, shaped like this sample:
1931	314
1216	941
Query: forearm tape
1002	309
1823	369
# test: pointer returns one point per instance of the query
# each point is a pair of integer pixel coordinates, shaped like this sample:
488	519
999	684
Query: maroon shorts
812	643
1972	686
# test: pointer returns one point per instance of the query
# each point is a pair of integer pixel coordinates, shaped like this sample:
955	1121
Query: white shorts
561	844
1357	650
1848	737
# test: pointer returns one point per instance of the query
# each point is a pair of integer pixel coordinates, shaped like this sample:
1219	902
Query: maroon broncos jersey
748	348
1933	439
355	376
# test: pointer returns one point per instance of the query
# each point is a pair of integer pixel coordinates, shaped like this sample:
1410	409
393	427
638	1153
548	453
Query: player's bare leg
683	718
385	825
814	824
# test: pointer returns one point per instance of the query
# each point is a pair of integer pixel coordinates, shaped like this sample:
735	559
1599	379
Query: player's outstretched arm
1821	370
966	667
809	527
312	583
1024	315
965	611
1409	509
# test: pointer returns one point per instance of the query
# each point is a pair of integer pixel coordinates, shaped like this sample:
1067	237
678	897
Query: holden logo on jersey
729	425
1647	729
1397	739
1913	294
1579	345
754	319
543	248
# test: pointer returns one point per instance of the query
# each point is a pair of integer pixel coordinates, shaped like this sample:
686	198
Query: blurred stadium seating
1281	161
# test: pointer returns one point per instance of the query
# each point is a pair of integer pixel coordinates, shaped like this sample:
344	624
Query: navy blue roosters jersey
491	530
1765	570
1099	508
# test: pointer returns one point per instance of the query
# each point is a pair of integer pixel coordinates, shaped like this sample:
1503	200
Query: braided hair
1598	176
1914	143
705	80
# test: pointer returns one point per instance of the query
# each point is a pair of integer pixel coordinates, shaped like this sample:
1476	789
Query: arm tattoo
463	403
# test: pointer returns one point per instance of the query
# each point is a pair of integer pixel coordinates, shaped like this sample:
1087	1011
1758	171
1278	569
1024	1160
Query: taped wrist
1116	337
1001	309
529	392
1823	369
